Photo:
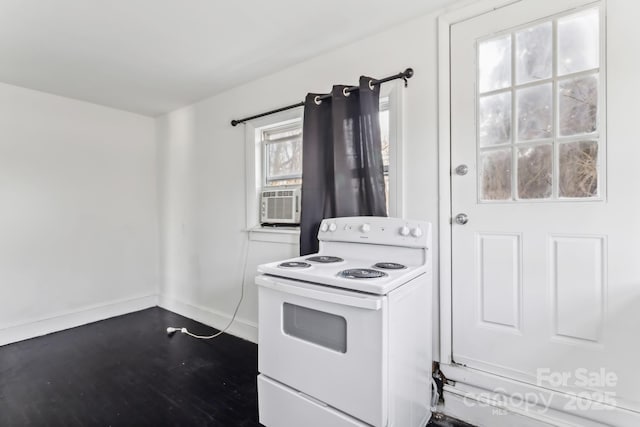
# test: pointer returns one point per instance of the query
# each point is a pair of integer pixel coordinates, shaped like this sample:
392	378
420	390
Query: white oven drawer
329	343
280	406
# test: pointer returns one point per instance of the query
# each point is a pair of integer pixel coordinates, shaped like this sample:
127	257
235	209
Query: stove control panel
376	230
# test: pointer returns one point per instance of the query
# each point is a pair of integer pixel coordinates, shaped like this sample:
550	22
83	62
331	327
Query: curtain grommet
371	86
344	91
317	100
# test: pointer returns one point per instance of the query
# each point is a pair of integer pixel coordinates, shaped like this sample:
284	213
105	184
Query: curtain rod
406	74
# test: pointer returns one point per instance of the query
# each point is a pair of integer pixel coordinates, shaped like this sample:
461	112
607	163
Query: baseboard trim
74	318
240	328
491	400
481	413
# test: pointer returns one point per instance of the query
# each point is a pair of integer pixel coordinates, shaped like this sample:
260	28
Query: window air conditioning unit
280	206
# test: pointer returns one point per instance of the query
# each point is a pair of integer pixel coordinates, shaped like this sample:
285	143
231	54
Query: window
274	153
538	106
282	150
282	153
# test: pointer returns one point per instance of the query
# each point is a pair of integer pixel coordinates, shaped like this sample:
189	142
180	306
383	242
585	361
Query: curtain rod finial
234	122
407	74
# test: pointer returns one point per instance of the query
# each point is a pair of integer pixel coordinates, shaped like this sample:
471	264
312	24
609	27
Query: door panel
499	269
541	275
577	286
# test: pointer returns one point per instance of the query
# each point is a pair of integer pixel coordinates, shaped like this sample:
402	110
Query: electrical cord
171	330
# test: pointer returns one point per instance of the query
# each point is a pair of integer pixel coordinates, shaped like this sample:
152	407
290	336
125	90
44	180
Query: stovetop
365	254
354	274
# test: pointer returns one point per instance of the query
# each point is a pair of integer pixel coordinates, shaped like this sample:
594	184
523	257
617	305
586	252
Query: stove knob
365	228
404	231
324	227
416	232
333	226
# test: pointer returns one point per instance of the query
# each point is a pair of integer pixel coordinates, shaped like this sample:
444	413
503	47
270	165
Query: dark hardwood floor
125	371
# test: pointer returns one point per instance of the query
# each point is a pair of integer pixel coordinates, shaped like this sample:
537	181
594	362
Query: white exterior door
545	272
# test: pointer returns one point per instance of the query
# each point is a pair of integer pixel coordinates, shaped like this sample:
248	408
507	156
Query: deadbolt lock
462	170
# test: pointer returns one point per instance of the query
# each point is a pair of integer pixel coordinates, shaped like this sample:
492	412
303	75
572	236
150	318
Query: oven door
327	343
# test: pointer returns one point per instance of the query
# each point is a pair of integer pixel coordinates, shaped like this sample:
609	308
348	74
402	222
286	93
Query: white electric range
345	334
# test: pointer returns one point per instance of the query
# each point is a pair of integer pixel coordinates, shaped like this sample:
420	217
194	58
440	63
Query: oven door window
318	327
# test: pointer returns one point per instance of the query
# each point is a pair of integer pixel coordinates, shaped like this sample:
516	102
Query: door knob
462	170
462	219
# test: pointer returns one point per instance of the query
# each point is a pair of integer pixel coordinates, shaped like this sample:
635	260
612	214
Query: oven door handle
364	301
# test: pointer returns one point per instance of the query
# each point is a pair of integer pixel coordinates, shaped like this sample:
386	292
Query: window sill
287	235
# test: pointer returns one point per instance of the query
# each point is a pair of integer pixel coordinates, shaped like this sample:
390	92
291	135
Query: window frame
394	91
254	178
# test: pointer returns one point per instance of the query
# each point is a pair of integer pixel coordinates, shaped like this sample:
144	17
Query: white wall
201	165
78	213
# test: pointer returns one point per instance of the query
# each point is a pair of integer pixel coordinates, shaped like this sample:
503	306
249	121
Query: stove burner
361	273
390	266
294	264
325	259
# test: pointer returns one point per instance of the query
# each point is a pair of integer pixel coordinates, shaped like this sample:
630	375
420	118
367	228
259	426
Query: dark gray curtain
342	171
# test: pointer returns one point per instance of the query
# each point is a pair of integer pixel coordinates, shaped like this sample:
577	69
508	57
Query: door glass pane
495	119
495	175
538	123
578	105
578	42
494	57
534	53
579	169
324	329
535	176
534	112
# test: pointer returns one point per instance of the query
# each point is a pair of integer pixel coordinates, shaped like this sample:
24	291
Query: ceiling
153	56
